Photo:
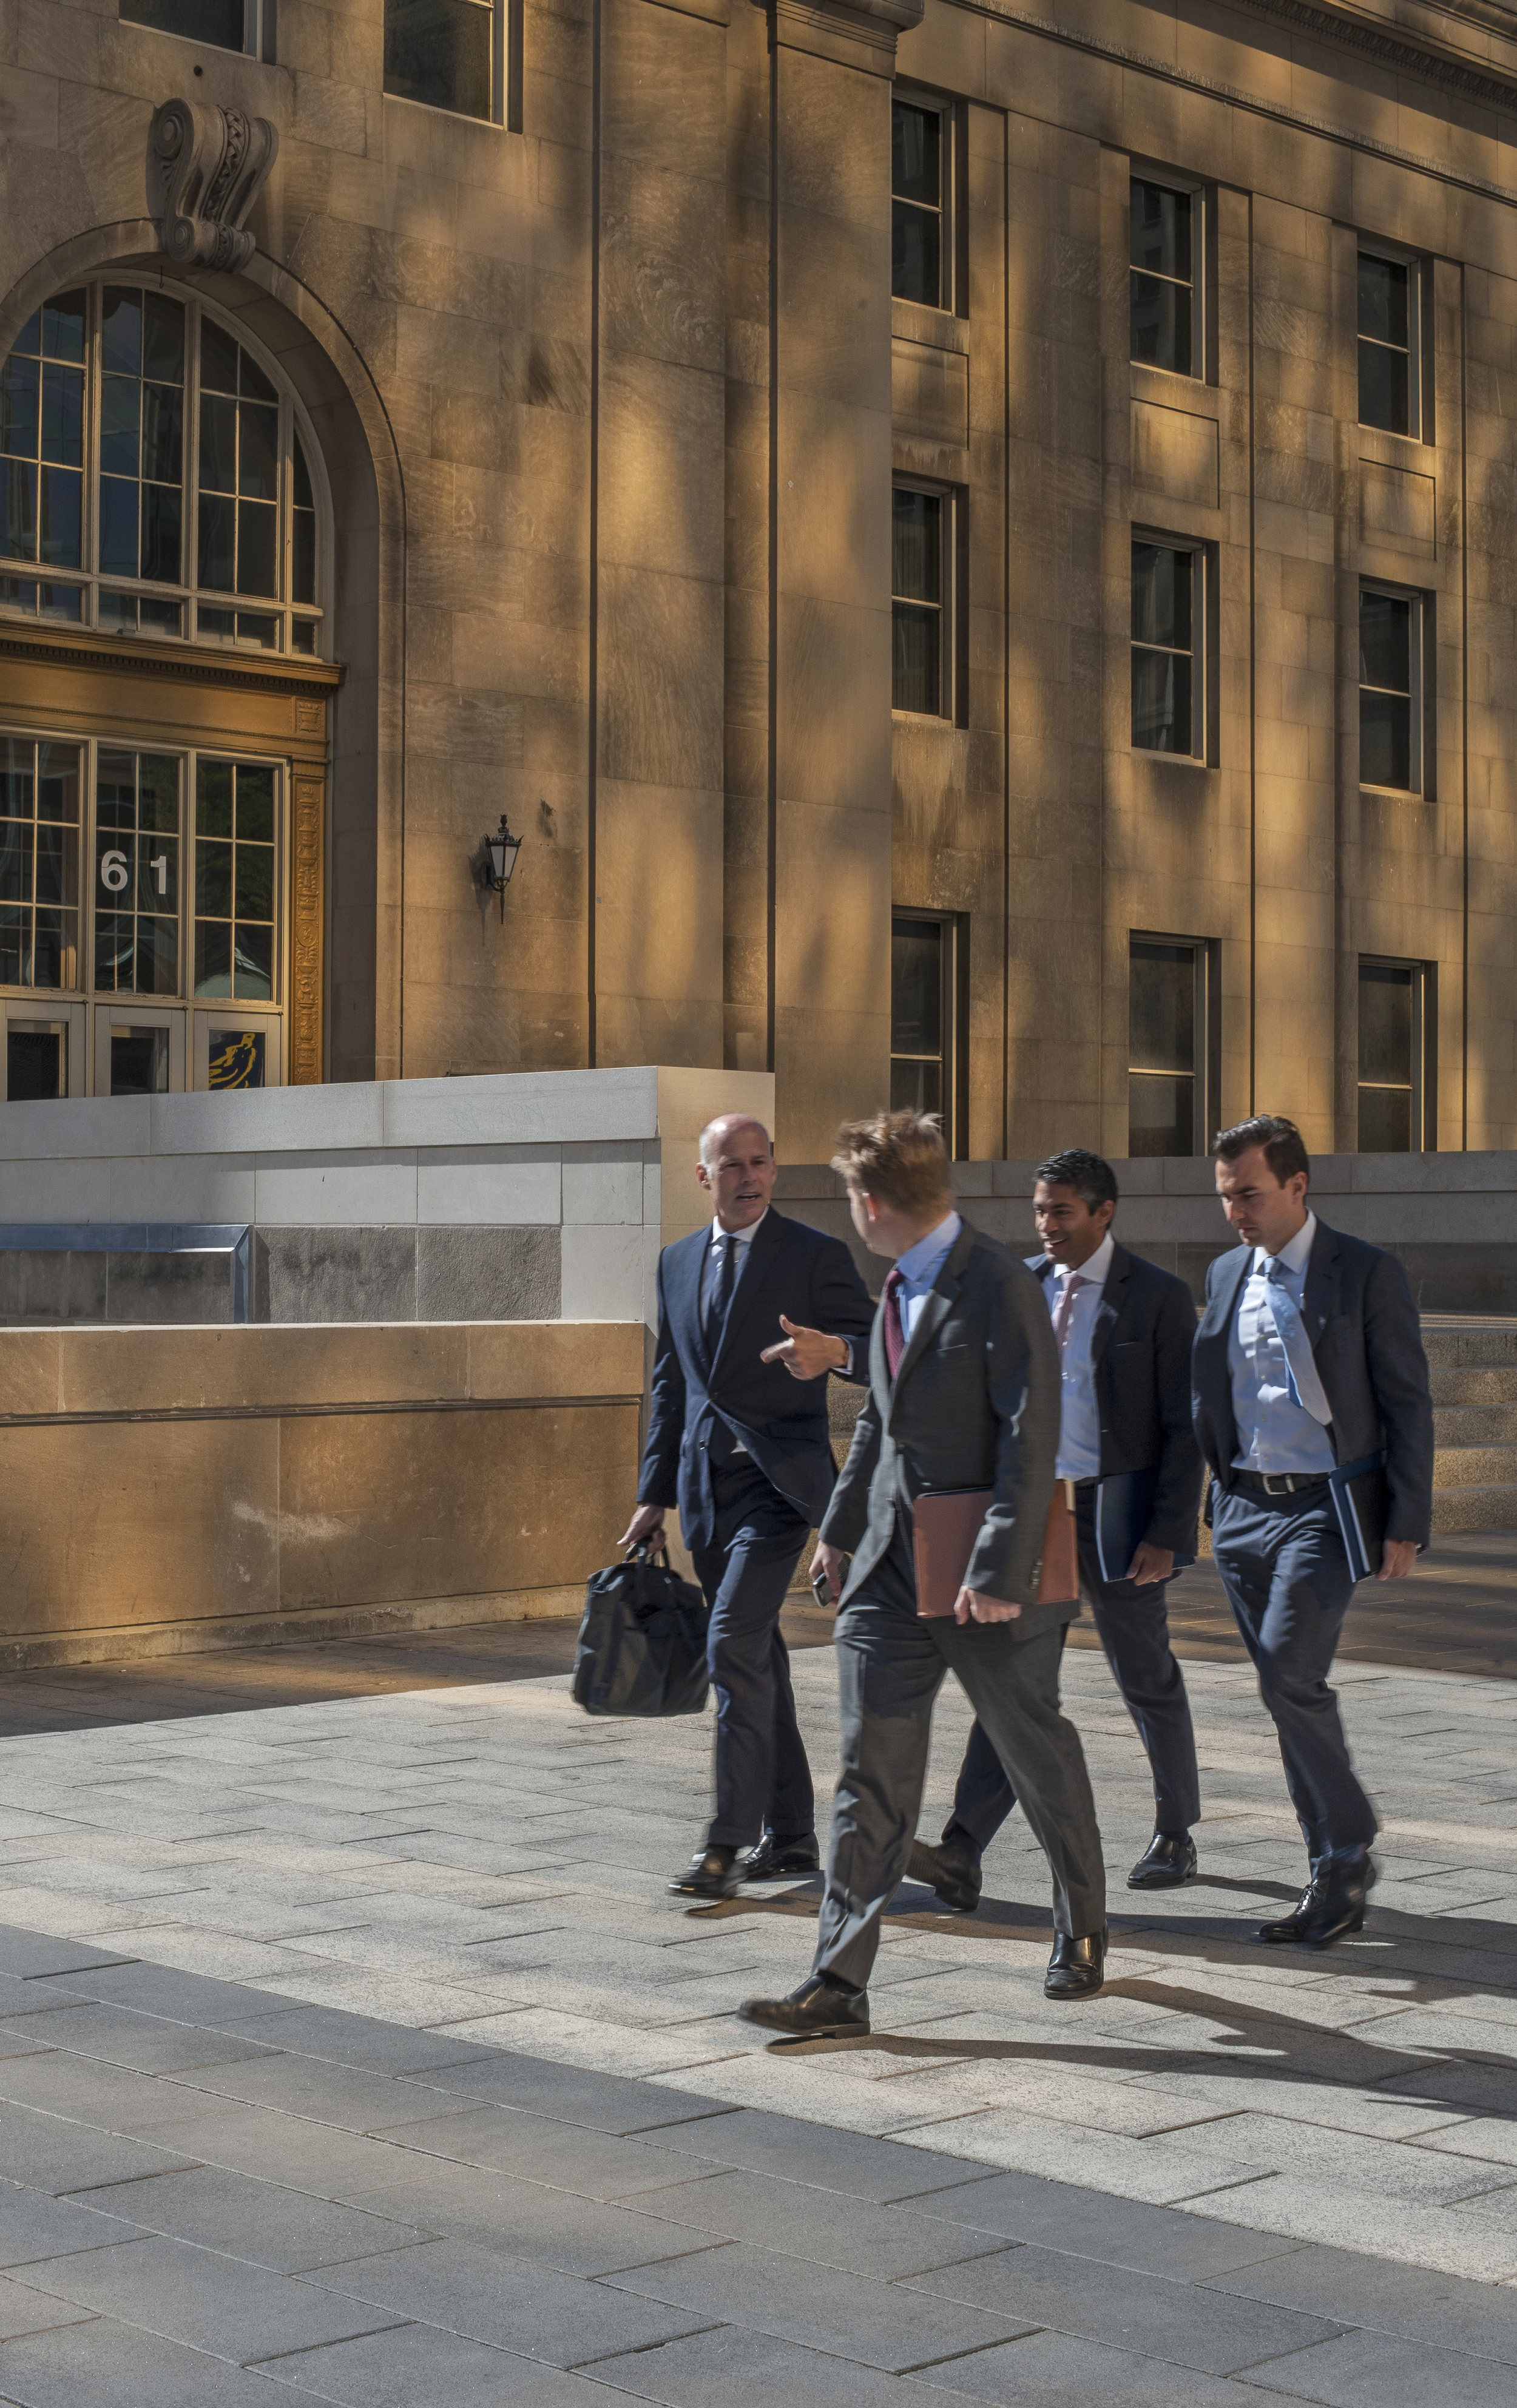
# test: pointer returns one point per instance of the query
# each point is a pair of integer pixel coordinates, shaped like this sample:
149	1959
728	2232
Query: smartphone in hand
823	1594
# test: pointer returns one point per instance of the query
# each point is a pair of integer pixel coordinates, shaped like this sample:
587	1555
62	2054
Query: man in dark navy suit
753	1314
1125	1330
1308	1362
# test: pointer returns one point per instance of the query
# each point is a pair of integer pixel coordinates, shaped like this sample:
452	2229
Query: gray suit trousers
891	1666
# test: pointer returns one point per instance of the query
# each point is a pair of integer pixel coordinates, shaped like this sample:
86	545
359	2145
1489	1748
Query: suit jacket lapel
689	1277
1317	1295
945	1287
1108	1303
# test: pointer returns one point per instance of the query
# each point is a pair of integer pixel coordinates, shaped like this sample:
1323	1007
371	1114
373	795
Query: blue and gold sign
236	1057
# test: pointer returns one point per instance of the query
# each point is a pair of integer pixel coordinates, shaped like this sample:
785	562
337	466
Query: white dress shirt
919	1267
1275	1433
1080	1419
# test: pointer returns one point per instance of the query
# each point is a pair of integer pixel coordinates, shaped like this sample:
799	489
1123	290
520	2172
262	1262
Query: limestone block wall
173	1490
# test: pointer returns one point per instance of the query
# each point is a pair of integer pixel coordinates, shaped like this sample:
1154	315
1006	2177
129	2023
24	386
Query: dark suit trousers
1287	1578
891	1666
1134	1630
763	1779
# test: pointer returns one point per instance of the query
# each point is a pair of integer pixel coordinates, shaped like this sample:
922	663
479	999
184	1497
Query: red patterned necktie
895	1334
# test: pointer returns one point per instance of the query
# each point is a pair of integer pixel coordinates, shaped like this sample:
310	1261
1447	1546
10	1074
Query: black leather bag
642	1642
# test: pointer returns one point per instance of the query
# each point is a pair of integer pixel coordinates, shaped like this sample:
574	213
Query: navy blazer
1367	1341
782	1421
1140	1361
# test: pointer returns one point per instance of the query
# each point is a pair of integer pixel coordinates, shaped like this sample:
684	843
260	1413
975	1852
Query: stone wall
173	1490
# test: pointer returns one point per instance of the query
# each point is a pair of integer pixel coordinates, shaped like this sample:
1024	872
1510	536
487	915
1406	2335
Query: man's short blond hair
898	1158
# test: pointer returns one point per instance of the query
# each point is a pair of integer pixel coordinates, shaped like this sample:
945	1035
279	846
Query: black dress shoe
1312	1919
1076	1967
780	1859
715	1874
953	1874
819	2009
1341	1891
1168	1859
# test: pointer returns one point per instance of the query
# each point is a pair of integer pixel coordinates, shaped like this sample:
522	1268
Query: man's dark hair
1279	1137
1093	1180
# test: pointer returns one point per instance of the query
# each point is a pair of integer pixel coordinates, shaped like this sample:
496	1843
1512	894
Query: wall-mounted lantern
500	852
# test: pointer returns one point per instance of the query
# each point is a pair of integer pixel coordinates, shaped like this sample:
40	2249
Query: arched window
155	478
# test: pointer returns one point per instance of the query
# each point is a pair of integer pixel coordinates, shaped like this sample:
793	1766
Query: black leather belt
1278	1484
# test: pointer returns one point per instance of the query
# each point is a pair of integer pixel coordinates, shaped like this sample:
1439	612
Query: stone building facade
977	550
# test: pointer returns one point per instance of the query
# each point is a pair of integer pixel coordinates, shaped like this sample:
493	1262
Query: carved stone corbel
206	169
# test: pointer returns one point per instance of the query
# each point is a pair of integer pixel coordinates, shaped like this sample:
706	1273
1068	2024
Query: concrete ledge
130	1643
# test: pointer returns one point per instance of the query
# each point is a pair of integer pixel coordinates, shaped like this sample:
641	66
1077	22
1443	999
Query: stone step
1475	1424
1481	1507
1457	1349
1473	1387
1474	1466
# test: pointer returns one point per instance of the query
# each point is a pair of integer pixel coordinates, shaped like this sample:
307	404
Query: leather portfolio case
945	1525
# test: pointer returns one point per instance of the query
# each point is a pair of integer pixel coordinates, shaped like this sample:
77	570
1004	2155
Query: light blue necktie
1310	1393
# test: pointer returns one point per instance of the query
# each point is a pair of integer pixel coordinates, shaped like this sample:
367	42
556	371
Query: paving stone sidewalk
213	2191
484	1868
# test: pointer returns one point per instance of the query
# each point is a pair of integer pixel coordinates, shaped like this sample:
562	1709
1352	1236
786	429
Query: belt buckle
1277	1483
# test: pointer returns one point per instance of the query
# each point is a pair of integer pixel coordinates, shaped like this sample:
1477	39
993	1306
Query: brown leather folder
946	1523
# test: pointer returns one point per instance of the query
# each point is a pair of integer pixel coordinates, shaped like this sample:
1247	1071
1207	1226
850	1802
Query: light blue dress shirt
919	1267
1080	1419
1275	1433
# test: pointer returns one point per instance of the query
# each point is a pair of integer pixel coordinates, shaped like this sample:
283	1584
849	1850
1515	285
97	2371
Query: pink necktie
895	1334
1061	1319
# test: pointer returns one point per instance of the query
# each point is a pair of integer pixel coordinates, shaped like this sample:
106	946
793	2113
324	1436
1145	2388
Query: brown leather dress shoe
1076	1967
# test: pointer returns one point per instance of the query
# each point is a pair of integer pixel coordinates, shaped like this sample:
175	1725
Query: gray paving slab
32	1955
103	2364
26	2311
354	2039
525	2220
729	2367
1127	2310
417	2366
599	2165
51	2154
804	2222
1365	2370
1091	2224
504	2301
164	1990
854	2162
33	2227
206	2300
111	2096
1054	2370
1440	2309
20	1999
314	2157
888	2325
348	2096
605	2100
262	2221
146	2043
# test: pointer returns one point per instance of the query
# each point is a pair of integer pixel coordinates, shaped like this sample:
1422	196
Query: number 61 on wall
113	871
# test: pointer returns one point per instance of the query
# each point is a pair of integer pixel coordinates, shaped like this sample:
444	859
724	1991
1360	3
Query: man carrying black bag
737	1439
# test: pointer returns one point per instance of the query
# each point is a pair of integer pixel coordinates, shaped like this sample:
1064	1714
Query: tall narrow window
1394	1115
1388	339
137	873
919	605
446	54
39	862
234	880
42	455
1390	631
918	253
221	25
926	965
1167	1046
1163	276
1165	616
141	454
